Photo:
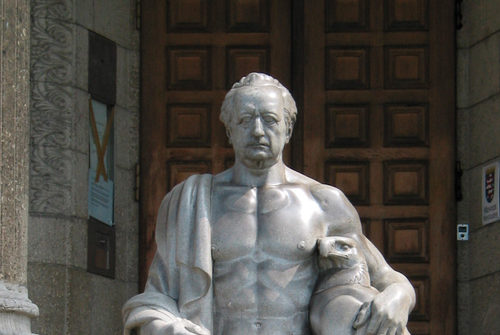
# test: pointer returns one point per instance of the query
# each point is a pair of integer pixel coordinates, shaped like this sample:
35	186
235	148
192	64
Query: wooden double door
374	84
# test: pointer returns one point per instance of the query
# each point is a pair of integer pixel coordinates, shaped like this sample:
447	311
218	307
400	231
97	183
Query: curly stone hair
258	80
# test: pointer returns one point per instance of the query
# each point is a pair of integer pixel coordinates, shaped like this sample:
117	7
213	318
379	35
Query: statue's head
258	80
259	114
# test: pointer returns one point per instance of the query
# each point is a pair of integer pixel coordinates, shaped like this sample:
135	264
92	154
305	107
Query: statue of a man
237	252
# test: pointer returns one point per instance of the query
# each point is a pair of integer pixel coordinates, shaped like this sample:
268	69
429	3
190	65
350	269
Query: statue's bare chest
269	222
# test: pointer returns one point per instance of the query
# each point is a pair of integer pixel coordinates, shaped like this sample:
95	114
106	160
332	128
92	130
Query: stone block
127	79
134	80
61	9
52	51
463	206
47	287
80	302
122	74
126	138
484	251
480	19
463	132
47	240
82	57
80	184
115	19
463	78
51	173
78	243
84	13
484	67
485	304
126	208
463	261
484	120
81	124
127	255
463	308
108	297
474	191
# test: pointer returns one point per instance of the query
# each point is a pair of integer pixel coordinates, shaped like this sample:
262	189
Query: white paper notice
100	199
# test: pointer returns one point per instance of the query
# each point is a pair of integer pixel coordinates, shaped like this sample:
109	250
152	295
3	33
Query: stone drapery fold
180	277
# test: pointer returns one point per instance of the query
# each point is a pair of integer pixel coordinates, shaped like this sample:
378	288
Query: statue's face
258	129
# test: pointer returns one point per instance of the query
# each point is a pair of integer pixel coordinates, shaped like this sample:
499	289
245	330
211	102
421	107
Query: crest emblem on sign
489	184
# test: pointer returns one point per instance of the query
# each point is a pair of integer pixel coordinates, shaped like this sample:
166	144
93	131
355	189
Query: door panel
374	83
192	52
378	124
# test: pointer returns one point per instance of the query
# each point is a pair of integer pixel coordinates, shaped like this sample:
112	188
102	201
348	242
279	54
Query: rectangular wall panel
188	15
248	15
347	68
188	125
346	15
352	178
406	125
406	15
189	68
406	182
347	126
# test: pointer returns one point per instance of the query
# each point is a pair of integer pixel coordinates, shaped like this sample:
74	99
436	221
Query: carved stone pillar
16	309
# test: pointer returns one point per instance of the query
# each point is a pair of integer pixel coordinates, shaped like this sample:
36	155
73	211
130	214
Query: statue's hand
386	314
177	327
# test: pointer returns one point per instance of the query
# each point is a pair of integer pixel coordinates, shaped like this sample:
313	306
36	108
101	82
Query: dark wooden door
379	125
192	52
374	83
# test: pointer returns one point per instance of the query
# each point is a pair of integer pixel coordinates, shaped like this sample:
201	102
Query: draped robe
180	277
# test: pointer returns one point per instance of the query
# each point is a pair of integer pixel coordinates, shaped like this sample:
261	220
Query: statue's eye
342	247
269	119
244	119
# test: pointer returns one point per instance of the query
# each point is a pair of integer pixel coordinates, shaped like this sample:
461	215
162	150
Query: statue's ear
289	131
228	134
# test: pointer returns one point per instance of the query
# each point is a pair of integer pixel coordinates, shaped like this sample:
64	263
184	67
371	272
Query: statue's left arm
388	312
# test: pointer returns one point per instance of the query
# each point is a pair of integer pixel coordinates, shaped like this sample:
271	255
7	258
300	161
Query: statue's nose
258	129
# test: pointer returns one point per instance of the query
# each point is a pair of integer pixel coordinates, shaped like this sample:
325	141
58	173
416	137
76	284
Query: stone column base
16	310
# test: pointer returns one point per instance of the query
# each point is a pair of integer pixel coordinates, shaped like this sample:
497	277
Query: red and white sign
491	189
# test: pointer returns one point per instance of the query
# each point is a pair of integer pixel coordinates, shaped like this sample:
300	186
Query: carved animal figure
343	286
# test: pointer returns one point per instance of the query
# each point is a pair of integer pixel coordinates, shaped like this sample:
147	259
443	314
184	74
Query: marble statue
238	252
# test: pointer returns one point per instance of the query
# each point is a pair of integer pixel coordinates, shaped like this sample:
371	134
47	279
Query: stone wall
71	300
478	125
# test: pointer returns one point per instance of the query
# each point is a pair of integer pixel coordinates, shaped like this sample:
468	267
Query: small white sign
491	189
100	199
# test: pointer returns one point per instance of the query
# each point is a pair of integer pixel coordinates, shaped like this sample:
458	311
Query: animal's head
338	252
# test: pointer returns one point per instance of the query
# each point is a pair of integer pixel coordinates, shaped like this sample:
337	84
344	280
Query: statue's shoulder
321	192
224	177
331	200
